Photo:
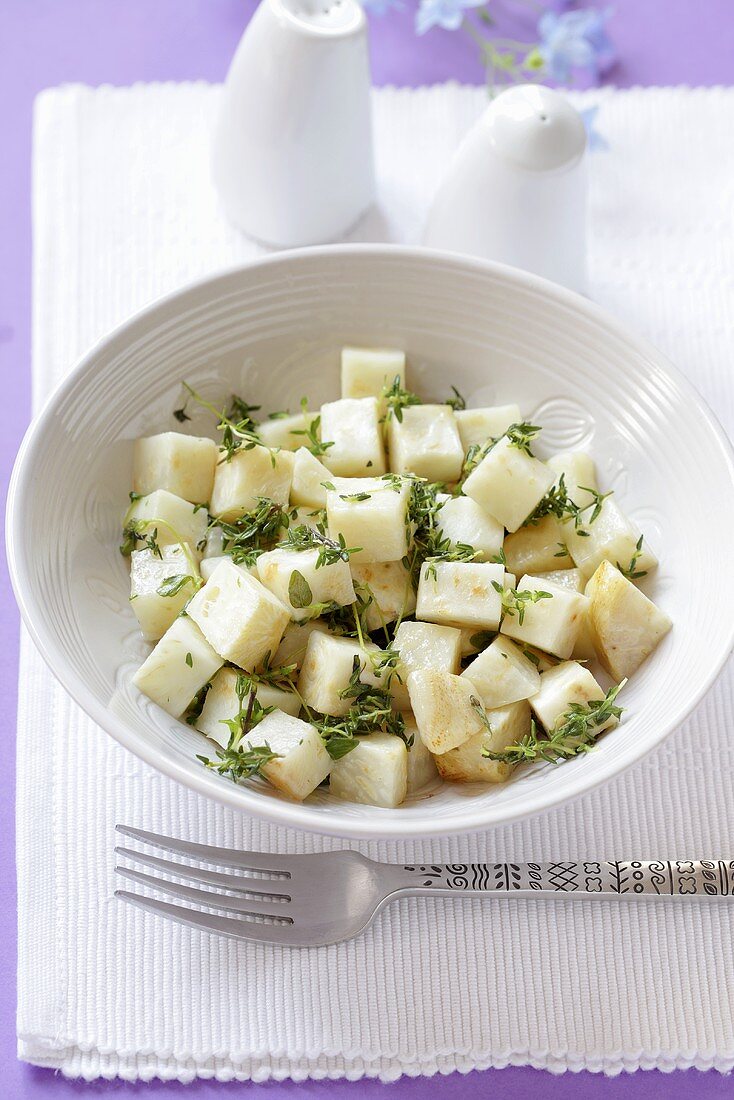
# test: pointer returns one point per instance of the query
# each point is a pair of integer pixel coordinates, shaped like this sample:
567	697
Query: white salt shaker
515	191
292	152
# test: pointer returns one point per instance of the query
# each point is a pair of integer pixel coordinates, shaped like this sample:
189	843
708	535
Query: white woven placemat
124	211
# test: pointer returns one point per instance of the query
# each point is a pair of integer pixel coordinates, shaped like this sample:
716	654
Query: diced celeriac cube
170	519
509	483
297	580
461	520
421	765
423	645
625	625
538	548
425	442
460	594
564	578
292	648
611	537
179	666
389	585
468	764
222	704
352	426
160	587
583	650
302	762
375	773
208	565
371	514
579	475
286	432
327	669
238	616
248	475
562	686
478	426
443	709
502	674
309	475
366	372
181	464
552	624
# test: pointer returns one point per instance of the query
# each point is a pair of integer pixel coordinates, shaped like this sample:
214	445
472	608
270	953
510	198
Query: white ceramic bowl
272	332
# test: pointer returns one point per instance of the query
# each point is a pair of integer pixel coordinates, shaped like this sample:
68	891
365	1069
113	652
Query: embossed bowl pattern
272	331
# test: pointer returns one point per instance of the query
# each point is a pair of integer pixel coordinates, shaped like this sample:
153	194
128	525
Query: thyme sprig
397	398
557	503
370	711
522	435
313	441
350	620
429	544
631	572
171	586
234	761
457	402
236	423
515	603
575	733
244	539
330	550
140	530
474	455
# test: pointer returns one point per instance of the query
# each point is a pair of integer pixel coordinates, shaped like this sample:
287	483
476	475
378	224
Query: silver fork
314	900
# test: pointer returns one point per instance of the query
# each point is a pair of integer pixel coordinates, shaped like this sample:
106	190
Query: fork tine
210	922
268	887
214	900
228	857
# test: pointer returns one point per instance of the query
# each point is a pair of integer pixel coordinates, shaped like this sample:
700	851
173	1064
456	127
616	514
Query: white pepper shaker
292	152
515	191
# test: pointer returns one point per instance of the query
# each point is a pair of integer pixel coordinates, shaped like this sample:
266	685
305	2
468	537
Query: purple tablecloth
47	42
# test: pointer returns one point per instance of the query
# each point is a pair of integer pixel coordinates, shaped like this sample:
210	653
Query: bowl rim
247	799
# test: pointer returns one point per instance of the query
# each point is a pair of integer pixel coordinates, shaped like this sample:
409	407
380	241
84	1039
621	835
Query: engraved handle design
658	878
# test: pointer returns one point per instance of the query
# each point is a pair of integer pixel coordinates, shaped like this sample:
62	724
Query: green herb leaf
515	603
171	586
631	572
522	435
299	591
314	444
254	532
235	762
456	402
189	660
396	398
330	550
370	710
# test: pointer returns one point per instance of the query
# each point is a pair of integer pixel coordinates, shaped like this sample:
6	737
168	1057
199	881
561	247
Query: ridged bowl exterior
272	332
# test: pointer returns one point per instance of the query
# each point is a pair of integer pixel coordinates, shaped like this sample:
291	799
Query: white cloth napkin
124	211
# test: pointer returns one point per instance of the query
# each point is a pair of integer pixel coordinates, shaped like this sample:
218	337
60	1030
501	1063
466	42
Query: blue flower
596	140
381	7
575	40
448	14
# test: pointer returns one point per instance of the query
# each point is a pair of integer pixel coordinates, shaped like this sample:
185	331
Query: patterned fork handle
658	878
